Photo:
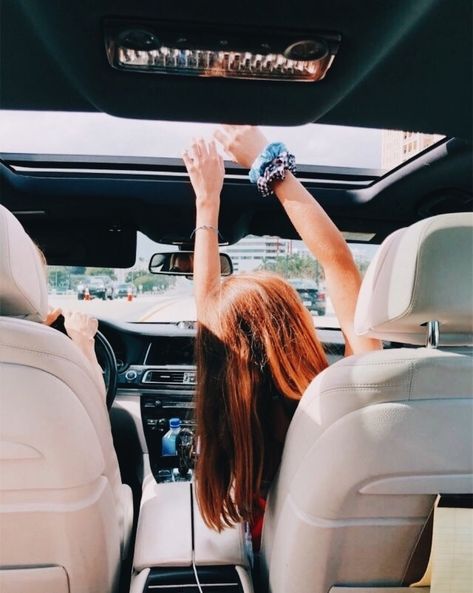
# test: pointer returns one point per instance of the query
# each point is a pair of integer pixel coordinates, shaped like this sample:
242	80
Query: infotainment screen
168	350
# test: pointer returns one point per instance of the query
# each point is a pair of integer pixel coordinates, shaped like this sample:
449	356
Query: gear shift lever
185	451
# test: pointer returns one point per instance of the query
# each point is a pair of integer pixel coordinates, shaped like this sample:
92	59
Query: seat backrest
62	505
377	436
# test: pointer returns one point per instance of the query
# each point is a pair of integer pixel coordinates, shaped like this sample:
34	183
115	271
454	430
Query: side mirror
181	263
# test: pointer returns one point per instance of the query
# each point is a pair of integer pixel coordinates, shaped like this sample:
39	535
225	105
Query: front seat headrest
421	273
23	283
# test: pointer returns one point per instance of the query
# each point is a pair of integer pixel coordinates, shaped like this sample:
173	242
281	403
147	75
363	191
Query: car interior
88	501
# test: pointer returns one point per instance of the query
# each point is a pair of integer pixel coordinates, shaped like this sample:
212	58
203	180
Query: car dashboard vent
171	377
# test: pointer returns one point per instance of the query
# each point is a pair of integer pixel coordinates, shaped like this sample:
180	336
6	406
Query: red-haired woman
257	349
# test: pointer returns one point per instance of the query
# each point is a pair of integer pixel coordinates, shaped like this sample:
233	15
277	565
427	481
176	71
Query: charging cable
197	581
199	586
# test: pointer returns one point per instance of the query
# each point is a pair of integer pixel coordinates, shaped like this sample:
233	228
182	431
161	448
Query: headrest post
433	334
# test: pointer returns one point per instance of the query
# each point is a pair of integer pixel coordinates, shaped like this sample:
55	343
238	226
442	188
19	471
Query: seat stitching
41	352
50	355
364	386
412	368
407	361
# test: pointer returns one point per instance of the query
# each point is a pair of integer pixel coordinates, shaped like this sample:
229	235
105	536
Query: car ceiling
401	65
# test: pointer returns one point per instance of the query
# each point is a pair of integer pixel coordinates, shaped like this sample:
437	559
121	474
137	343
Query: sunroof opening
100	134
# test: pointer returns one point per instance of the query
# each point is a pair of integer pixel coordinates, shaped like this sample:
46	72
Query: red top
256	527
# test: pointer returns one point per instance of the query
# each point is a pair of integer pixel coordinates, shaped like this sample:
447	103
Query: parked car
311	295
100	287
121	291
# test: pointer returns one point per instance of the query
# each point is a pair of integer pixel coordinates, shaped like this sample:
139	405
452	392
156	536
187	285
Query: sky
102	134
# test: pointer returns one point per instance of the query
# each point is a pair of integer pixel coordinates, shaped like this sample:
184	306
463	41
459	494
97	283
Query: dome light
196	51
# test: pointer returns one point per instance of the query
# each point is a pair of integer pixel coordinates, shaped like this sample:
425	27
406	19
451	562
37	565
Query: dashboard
155	363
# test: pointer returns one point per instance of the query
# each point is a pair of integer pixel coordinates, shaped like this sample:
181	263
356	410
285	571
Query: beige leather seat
377	436
65	516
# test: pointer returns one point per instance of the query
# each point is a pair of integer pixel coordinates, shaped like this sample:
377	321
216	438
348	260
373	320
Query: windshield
138	296
300	284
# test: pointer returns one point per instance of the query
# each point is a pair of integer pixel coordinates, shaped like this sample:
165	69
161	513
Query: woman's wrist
207	211
87	345
271	167
280	184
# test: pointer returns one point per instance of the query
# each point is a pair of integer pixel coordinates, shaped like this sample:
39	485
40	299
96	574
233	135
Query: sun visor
84	244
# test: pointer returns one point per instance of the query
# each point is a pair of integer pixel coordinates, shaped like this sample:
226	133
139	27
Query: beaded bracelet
205	227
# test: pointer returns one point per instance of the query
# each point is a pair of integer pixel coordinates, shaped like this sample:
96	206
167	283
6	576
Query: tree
136	273
77	269
149	281
305	266
294	266
58	277
362	263
110	272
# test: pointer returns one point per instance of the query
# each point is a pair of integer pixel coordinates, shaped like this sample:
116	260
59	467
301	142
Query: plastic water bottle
168	446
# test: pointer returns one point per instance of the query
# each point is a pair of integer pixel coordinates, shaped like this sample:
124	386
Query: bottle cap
175	422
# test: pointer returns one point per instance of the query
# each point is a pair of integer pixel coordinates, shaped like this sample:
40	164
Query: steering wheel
105	357
108	362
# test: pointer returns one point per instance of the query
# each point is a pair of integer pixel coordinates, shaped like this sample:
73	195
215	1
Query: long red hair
258	343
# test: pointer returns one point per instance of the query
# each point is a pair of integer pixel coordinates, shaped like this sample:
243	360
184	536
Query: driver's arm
81	328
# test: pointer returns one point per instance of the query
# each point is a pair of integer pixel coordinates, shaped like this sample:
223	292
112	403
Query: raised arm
319	233
206	172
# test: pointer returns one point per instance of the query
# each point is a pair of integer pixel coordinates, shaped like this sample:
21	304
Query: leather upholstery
23	285
170	533
421	273
377	436
62	503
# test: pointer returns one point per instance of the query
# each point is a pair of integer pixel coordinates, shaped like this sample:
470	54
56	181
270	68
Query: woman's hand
81	329
206	172
243	143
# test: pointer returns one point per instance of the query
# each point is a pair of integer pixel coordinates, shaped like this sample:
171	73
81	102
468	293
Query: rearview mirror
181	263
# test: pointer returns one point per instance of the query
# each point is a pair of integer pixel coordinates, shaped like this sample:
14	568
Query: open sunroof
97	134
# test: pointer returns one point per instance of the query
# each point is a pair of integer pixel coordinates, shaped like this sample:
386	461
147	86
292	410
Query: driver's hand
80	328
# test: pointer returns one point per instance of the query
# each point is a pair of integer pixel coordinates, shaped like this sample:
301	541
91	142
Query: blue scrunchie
259	165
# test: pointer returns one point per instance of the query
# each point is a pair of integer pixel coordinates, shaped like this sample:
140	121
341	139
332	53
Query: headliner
401	65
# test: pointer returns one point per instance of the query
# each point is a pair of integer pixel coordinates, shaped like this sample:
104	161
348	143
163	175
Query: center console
175	551
157	409
165	380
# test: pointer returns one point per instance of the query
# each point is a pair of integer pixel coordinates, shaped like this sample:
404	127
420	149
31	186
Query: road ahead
119	309
171	307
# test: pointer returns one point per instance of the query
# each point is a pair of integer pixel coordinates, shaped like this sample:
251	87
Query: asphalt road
119	309
170	307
